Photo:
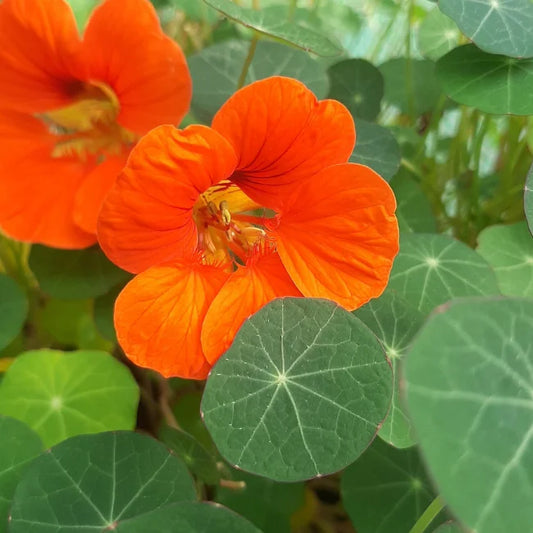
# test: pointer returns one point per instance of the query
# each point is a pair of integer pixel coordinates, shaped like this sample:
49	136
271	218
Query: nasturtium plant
13	309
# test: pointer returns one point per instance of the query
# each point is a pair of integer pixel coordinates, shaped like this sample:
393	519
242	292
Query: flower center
89	126
230	225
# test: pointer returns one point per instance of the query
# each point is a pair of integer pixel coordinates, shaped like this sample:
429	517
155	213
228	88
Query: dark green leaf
300	393
63	394
274	22
96	482
491	83
386	489
76	274
13	310
437	35
496	26
528	199
19	445
103	313
432	269
469	377
215	72
376	148
358	85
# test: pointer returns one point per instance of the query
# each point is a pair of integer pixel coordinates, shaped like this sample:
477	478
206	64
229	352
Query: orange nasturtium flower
219	221
71	108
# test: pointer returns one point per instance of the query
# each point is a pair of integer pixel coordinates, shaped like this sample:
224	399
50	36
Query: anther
225	213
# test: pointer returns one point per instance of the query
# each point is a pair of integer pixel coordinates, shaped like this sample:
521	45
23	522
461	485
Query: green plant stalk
434	508
248	60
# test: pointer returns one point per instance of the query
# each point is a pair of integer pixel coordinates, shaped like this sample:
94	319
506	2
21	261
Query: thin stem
248	61
434	508
292	9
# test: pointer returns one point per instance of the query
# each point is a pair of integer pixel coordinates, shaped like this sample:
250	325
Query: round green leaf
215	72
411	85
469	390
491	83
188	518
19	445
386	489
274	21
61	394
13	310
300	393
509	250
449	527
437	35
394	322
528	199
432	269
199	461
377	148
95	482
269	505
358	85
496	26
76	274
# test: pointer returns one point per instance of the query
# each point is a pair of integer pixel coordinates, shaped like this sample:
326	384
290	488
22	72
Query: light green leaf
19	445
469	377
300	393
496	26
450	527
437	35
528	199
94	483
82	9
491	83
432	269
61	394
509	250
74	274
394	322
269	505
386	489
274	22
215	72
411	85
358	85
13	310
376	148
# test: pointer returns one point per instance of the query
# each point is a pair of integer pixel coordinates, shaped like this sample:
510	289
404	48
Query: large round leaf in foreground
95	482
470	395
300	393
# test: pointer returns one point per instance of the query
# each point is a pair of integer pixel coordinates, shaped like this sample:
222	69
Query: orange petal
246	291
39	40
282	135
37	191
124	46
159	315
338	235
91	194
146	218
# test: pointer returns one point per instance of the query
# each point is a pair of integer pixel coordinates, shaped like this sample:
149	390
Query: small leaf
509	250
394	322
97	482
386	489
528	199
198	460
437	35
76	274
215	72
469	390
432	269
376	148
63	394
274	22
358	85
496	26
19	445
490	83
300	393
13	310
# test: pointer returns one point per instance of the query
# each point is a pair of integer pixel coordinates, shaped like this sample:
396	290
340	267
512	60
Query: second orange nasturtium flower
218	221
71	108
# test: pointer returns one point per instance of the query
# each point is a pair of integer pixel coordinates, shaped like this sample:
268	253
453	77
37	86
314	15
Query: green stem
248	61
292	9
434	508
